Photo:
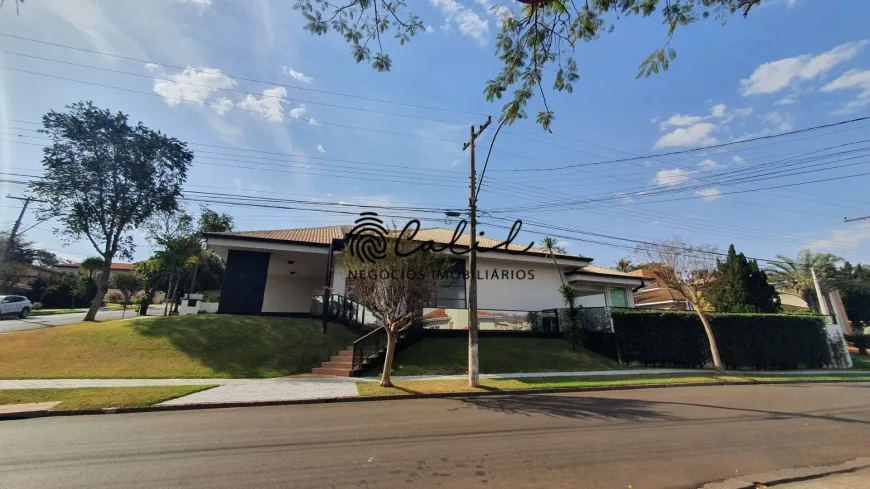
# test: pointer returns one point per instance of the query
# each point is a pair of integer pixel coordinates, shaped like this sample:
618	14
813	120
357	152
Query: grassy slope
96	398
457	386
204	345
447	356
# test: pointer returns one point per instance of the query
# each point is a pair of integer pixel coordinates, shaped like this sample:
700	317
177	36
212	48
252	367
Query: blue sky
792	64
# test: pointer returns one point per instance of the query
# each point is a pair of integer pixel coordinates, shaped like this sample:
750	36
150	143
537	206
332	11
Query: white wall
288	293
542	292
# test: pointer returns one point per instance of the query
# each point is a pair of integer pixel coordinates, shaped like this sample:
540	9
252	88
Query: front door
244	282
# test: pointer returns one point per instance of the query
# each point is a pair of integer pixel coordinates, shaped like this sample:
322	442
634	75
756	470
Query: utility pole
846	219
473	364
17	225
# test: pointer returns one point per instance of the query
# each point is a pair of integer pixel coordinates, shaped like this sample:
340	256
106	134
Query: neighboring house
278	272
656	294
791	302
31	273
117	268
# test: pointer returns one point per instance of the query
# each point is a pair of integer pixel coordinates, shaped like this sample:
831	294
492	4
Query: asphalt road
661	438
37	322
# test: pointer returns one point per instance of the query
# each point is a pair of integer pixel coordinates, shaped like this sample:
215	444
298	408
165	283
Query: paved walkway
296	388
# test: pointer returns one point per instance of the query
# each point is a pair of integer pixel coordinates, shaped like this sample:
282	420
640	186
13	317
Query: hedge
757	341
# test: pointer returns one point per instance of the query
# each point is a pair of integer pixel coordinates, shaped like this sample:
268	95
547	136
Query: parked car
15	305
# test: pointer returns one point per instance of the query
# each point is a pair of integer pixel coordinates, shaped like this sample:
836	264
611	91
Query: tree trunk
102	287
168	291
714	350
143	306
388	359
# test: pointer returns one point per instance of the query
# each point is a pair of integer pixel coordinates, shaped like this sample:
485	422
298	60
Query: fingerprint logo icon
368	239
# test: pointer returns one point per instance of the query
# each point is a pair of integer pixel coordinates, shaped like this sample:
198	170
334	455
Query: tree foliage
104	177
794	276
536	44
625	265
20	250
740	286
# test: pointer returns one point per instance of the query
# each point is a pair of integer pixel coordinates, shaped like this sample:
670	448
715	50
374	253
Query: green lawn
449	356
202	345
861	362
102	397
51	312
461	386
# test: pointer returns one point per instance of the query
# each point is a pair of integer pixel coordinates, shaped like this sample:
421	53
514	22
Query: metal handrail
360	345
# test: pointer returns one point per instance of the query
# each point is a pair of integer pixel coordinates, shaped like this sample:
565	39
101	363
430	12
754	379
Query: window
451	289
618	297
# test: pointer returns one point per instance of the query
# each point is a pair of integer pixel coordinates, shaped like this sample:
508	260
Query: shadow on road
571	407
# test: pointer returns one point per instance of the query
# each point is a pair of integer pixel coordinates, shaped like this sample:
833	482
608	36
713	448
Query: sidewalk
854	474
296	388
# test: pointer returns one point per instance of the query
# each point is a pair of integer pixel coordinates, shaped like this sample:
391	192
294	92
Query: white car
15	305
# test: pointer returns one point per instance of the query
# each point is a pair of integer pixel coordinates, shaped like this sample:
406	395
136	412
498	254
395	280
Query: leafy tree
688	269
103	178
21	251
740	286
175	233
395	302
11	274
536	43
209	222
854	286
92	264
213	222
794	276
624	265
151	275
128	284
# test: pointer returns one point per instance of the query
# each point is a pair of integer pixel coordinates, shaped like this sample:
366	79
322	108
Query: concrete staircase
339	365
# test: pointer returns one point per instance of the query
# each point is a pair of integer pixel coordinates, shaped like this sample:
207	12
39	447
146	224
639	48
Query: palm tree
552	247
624	265
794	276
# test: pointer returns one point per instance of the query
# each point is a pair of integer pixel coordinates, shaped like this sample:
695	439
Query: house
278	272
657	295
117	268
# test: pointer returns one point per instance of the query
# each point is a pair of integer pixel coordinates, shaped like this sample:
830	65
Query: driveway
38	322
649	439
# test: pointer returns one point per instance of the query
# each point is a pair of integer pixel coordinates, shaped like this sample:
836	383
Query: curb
790	476
337	400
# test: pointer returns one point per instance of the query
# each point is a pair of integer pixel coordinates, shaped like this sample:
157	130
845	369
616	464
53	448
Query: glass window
588	296
451	288
618	297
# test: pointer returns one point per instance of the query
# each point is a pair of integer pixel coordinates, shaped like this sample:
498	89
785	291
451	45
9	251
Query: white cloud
738	159
197	2
850	237
776	75
152	67
671	177
499	11
192	85
743	112
297	75
654	120
852	80
320	148
222	105
469	22
718	110
562	244
430	29
709	194
270	105
313	122
680	120
297	112
782	122
696	135
707	164
791	99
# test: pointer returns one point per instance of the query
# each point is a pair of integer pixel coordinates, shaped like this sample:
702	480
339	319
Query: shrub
114	297
758	341
211	296
860	341
36	306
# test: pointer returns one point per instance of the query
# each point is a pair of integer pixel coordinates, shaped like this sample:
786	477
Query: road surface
37	322
658	438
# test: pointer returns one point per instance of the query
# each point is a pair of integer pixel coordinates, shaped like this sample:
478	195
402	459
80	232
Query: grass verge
861	362
489	385
52	312
449	356
194	346
99	397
